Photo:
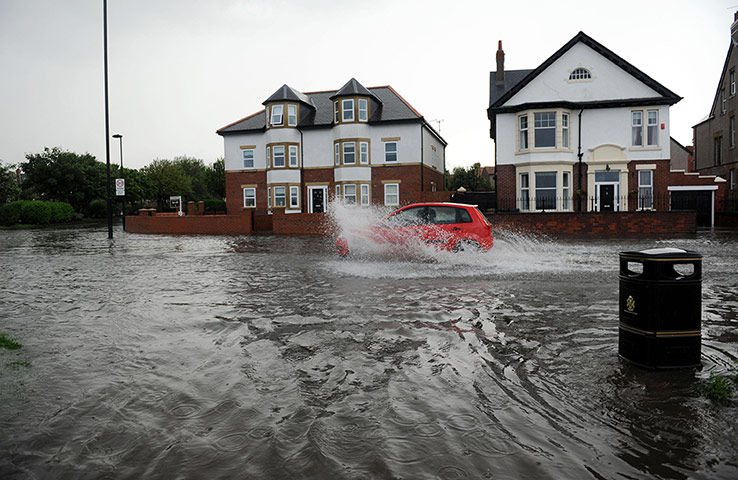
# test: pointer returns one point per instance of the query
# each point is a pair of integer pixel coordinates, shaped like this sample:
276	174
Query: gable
609	81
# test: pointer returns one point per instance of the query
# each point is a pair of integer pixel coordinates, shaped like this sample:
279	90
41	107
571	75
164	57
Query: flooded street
269	357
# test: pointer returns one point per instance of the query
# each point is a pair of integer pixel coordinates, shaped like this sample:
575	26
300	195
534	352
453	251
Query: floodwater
267	357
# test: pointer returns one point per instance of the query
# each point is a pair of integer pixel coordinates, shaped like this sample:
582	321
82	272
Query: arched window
580	74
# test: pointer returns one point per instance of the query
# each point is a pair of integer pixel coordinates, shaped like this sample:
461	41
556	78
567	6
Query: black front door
607	198
318	200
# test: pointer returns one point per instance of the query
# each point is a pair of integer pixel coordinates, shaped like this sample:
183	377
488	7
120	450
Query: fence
632	202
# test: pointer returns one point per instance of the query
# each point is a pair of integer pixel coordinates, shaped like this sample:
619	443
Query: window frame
536	129
294	195
365	195
636	128
277	155
346	154
718	150
276	190
251	151
565	130
291	113
279	108
387	195
645	190
732	131
543	201
395	152
246	198
565	191
350	198
336	112
652	129
346	110
523	132
363	109
580	74
364	153
524	192
723	101
731	81
296	156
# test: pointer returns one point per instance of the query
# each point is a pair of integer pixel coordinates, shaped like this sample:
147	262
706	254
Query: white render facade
582	100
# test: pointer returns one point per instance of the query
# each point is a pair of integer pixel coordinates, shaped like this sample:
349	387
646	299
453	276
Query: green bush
215	205
97	209
61	212
10	213
36	212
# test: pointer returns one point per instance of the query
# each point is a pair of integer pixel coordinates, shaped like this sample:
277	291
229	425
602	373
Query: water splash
513	252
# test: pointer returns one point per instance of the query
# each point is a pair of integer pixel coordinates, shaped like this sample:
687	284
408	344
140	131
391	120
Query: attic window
580	74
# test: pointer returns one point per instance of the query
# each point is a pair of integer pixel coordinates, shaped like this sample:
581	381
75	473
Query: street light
120	137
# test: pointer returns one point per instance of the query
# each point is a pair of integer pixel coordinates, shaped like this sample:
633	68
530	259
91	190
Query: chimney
734	29
500	74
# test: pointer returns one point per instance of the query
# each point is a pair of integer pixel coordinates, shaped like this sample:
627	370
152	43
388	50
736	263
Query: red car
453	227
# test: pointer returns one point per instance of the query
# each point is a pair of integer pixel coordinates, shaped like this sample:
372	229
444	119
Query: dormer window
277	114
350	110
580	74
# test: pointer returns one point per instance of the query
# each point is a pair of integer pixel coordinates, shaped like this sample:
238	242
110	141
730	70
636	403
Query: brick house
361	145
714	139
585	131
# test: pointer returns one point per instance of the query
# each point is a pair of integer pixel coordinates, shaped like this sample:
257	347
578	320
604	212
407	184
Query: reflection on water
267	357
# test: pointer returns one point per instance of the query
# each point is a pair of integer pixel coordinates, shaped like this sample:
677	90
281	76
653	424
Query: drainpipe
580	155
302	180
422	186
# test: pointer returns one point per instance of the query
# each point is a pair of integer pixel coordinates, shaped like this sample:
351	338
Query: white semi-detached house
362	146
583	104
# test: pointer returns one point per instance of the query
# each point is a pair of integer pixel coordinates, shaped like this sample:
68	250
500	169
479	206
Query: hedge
35	212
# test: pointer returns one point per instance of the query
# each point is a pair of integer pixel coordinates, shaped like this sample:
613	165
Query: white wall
608	81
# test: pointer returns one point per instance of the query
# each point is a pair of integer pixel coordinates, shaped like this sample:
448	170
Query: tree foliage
9	188
166	178
64	176
470	178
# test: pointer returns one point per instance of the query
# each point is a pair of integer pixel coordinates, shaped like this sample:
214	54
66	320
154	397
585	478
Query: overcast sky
181	69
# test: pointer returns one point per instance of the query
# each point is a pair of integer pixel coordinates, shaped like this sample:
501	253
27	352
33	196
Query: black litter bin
661	308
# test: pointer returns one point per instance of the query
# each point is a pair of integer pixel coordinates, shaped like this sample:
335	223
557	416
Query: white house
585	130
360	145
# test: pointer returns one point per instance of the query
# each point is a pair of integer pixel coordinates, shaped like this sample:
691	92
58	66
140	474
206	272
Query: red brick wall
299	223
506	184
410	183
186	225
600	225
726	219
234	192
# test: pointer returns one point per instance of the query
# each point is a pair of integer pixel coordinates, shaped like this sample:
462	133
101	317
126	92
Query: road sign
120	187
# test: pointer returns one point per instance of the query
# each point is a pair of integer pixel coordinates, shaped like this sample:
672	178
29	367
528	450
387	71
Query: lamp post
120	137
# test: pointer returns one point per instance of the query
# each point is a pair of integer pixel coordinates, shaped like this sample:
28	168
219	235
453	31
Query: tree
9	189
166	178
217	179
195	169
470	178
64	176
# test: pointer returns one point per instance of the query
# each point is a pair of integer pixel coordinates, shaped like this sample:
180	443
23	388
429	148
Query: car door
404	226
448	224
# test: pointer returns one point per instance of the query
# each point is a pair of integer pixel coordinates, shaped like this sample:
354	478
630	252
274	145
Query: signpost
120	187
176	202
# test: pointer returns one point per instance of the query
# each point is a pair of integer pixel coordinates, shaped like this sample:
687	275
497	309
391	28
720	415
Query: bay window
364	153
349	153
278	160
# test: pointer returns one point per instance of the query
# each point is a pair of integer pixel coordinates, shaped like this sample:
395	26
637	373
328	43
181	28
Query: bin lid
664	253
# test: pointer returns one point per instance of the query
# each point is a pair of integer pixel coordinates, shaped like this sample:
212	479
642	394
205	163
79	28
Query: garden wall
188	225
600	224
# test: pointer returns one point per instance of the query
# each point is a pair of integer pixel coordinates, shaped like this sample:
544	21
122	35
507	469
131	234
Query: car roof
445	204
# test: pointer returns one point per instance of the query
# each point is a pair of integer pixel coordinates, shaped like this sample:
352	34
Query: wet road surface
267	357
